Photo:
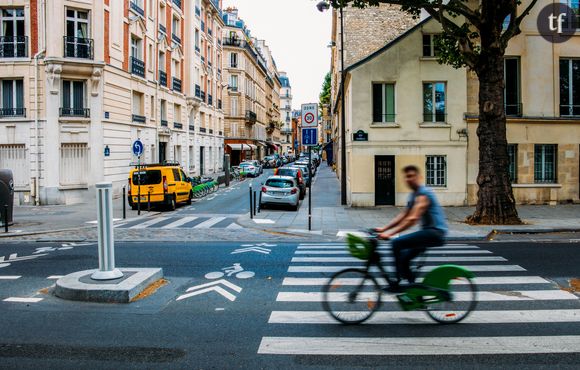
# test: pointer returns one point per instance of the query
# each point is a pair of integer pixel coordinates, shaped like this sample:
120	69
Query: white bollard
107	270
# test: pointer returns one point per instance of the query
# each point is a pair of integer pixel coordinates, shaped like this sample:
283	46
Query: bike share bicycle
353	295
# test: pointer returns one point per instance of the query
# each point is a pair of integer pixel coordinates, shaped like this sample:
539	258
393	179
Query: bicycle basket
359	247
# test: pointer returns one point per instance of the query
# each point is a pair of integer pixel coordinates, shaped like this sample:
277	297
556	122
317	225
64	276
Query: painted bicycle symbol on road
235	270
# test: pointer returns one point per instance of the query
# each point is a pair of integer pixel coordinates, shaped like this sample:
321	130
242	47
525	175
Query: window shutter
377	103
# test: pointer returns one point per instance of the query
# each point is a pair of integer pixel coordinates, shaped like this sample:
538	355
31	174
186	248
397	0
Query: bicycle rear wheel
463	300
351	296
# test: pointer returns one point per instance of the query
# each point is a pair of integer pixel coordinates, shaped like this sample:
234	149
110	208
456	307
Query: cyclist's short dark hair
411	168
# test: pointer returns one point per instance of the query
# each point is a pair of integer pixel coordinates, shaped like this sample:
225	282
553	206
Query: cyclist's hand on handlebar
385	236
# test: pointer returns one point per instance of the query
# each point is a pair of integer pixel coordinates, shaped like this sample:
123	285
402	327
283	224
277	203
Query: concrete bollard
106	245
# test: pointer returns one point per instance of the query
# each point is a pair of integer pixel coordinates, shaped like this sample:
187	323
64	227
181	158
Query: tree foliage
325	93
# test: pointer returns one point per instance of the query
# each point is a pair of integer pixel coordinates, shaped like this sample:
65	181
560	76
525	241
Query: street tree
325	93
474	36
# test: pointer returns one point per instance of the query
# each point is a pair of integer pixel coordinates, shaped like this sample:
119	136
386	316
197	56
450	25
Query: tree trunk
496	202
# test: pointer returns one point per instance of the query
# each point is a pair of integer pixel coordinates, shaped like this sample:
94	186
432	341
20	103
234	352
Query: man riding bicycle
422	205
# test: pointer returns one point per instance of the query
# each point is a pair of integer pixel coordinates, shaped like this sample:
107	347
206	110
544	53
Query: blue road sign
309	136
138	148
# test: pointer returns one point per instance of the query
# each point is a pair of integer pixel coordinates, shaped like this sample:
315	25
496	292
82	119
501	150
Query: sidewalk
329	218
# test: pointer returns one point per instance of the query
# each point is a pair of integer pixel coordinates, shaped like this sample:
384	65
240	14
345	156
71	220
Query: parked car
256	163
305	173
282	190
271	161
160	184
305	163
249	169
296	174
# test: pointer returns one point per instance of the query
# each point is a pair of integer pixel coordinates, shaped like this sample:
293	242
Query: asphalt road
262	327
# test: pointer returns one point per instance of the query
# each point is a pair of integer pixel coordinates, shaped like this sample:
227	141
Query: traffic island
80	286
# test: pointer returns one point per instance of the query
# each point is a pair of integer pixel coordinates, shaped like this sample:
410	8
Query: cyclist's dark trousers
409	246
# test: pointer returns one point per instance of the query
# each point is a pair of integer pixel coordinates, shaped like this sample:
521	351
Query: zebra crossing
181	222
508	297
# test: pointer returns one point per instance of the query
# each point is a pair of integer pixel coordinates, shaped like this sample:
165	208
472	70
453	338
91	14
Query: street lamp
323	6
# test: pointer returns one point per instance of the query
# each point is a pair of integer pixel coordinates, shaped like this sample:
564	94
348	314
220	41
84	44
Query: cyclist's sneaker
395	288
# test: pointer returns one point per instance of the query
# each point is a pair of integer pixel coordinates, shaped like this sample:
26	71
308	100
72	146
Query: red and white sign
309	115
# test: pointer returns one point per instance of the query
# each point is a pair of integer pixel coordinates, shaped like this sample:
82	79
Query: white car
249	169
256	163
281	190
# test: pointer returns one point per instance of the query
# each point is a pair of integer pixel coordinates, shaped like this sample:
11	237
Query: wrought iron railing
75	112
197	91
139	118
251	116
191	128
513	110
178	3
176	84
162	78
219	105
202	129
136	8
137	67
177	125
163	123
162	28
176	38
12	112
13	46
568	110
209	99
77	47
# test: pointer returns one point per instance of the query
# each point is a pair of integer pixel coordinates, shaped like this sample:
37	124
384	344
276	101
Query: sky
298	36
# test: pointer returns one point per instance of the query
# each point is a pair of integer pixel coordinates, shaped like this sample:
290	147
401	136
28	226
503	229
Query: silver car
255	163
280	190
249	169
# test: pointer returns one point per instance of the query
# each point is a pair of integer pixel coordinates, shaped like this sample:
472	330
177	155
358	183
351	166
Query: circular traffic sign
309	117
138	148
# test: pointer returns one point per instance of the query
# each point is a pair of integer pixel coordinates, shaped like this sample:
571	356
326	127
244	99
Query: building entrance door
201	160
385	180
162	152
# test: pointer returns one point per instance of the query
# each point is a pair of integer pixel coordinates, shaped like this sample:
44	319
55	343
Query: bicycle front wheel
463	299
351	296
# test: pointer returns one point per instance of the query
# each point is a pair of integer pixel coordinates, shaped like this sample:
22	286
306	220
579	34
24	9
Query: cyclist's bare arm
397	220
411	218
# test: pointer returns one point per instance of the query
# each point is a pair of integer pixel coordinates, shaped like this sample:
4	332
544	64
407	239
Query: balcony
197	11
12	112
197	91
202	96
176	84
76	47
75	112
251	117
233	88
210	131
191	128
513	110
177	3
162	78
286	131
137	8
202	129
162	29
233	41
209	99
177	125
219	106
13	46
137	67
138	118
163	123
203	26
176	38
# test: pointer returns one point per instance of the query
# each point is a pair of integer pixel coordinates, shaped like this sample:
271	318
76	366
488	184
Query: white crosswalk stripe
506	296
181	222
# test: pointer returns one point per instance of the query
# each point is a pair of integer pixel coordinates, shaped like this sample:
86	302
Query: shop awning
242	146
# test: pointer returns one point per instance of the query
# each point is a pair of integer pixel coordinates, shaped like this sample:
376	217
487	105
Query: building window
151	60
513	162
197	40
163	111
12	33
571	21
512	102
434	104
234	103
74	164
77	40
234	82
138	109
152	108
436	170
136	48
12	99
162	61
384	102
429	46
545	163
73	99
234	60
570	87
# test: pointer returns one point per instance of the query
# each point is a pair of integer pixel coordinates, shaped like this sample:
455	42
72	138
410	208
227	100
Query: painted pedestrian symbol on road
236	270
214	286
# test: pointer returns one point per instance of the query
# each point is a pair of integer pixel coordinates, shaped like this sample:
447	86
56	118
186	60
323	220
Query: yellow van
162	184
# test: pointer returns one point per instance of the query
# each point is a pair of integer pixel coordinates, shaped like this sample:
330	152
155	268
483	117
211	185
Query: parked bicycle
202	186
351	296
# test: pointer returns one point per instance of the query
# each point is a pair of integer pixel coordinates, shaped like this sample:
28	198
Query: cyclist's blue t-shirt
433	218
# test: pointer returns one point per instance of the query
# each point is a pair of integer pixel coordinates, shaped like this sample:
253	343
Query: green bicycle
353	295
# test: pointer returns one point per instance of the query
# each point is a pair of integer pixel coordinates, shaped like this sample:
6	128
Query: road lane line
388	252
390	259
55	277
482	296
344	246
435	346
9	277
23	300
494	280
474	268
416	317
209	223
178	223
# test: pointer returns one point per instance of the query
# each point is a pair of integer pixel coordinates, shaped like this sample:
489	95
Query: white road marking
179	222
55	277
416	317
234	226
390	259
388	252
209	223
474	268
151	222
434	346
344	246
9	277
263	221
482	296
494	280
23	300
